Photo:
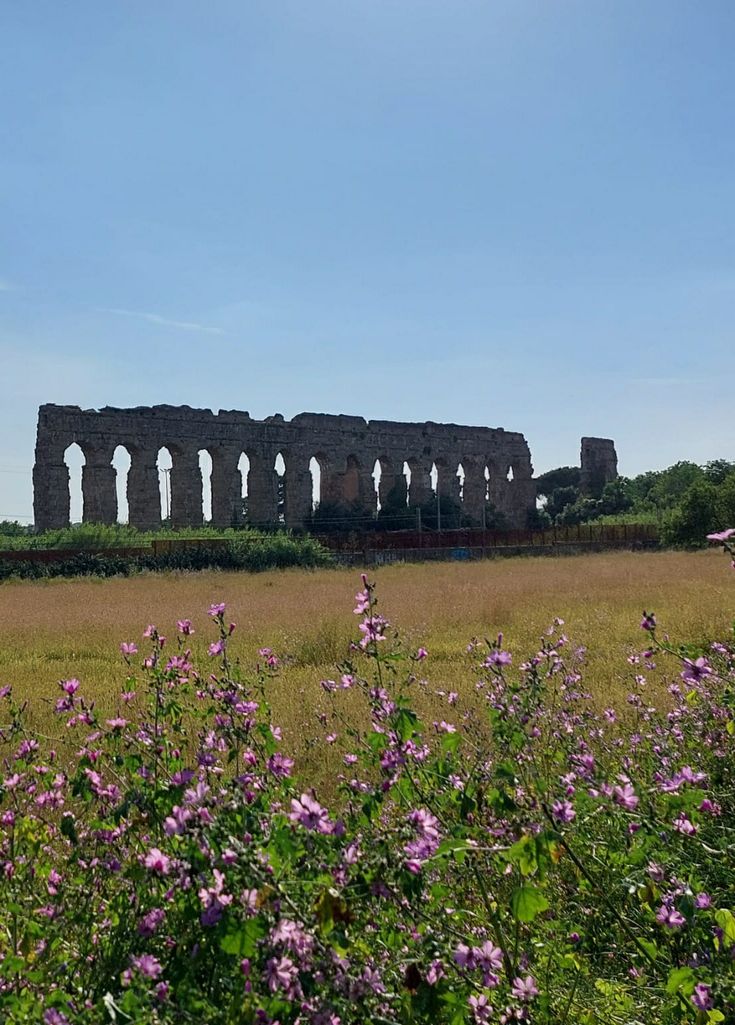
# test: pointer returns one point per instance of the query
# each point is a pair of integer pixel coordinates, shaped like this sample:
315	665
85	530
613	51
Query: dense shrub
528	858
248	551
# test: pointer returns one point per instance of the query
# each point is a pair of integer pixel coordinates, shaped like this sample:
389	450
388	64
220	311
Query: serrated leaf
527	902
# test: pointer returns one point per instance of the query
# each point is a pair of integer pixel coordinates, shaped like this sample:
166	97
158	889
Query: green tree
695	516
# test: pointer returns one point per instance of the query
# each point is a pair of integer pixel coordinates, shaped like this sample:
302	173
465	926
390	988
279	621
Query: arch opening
280	467
243	466
122	461
460	483
74	459
315	469
164	463
205	471
406	471
377	476
487	484
434	478
509	474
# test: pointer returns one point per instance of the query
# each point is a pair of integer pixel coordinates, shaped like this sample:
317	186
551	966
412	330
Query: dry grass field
51	630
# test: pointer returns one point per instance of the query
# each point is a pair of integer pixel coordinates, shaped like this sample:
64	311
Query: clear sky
513	213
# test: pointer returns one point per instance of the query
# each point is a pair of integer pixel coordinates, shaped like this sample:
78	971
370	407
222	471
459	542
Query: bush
541	861
250	550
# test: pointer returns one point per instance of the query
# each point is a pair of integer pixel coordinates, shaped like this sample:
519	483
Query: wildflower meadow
527	856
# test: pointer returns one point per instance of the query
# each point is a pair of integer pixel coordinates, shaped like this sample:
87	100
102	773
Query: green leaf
242	938
726	921
527	902
682	979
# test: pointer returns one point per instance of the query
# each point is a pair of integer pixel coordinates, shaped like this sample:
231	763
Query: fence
394	546
617	535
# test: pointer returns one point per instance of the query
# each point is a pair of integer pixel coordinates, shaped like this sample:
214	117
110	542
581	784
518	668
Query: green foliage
11	528
244	550
562	477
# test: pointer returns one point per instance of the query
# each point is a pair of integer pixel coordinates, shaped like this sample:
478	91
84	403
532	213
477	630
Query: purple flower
702	901
497	659
684	825
465	956
670	917
481	1008
216	647
216	609
184	627
421	654
626	797
128	648
696	669
149	923
117	724
701	997
308	813
282	974
54	1017
157	861
648	622
563	811
280	765
147	965
524	989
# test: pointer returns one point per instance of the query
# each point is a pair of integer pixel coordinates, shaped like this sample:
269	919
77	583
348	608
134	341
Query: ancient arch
346	448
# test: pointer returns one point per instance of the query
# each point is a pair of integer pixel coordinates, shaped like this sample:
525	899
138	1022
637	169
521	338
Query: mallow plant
527	857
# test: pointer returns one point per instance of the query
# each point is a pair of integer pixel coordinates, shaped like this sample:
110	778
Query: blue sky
498	212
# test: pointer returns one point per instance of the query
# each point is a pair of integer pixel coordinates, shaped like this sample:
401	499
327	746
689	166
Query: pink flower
282	974
216	609
722	535
563	811
497	659
157	861
481	1008
421	654
117	724
216	647
128	648
696	669
184	627
648	622
524	989
307	812
147	965
684	825
670	917
626	797
702	997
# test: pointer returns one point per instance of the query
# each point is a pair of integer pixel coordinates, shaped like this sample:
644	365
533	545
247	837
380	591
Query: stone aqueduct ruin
472	466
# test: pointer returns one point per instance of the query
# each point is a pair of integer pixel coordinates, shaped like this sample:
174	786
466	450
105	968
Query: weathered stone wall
346	448
598	463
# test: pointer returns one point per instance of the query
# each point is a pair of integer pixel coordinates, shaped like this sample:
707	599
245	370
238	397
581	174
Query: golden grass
51	630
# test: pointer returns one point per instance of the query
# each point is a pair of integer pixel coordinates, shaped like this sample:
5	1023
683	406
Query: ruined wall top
181	426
